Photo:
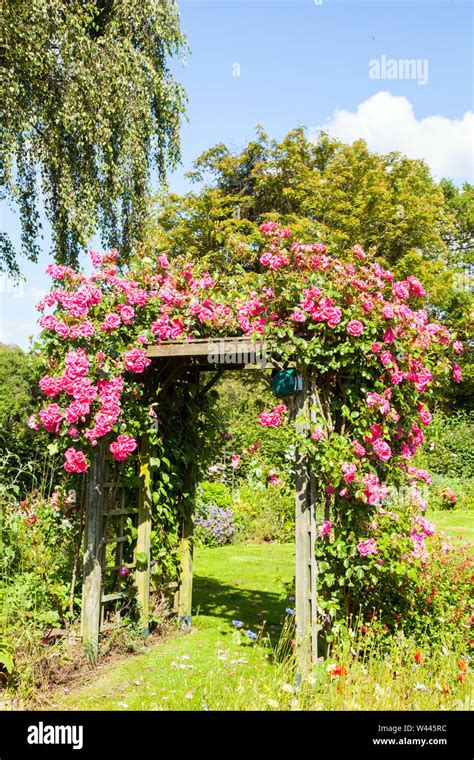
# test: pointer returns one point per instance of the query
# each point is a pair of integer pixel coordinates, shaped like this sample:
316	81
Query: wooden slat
112	597
115	540
118	512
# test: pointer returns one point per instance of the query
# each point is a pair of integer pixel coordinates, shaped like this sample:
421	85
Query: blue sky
305	63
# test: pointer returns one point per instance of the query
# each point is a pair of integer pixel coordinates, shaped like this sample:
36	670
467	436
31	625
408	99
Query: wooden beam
92	577
142	575
235	350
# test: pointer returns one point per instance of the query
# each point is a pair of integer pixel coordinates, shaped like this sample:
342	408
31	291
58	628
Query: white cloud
387	122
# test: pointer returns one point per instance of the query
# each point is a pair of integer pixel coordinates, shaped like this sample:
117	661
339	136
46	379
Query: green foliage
448	449
264	514
213	492
89	104
337	194
397	587
25	462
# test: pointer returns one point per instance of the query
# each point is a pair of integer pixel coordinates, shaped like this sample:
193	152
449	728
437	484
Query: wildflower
251	635
237	623
417	657
337	670
289	611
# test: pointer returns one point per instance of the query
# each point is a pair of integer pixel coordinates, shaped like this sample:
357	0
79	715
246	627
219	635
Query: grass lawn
458	523
218	667
215	666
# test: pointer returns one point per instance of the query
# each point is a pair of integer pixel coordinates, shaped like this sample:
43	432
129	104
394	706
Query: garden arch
195	357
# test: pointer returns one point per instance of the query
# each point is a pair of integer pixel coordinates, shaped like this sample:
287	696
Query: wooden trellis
106	499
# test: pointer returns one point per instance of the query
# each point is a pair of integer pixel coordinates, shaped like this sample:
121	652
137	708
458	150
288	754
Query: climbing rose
349	471
382	449
50	386
424	414
359	450
358	252
51	417
111	322
123	447
318	434
325	528
355	327
75	461
367	547
136	360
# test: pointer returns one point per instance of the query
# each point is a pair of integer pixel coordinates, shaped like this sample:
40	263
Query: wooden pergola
105	500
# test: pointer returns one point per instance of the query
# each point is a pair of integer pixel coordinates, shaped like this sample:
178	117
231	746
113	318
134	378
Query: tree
337	194
88	110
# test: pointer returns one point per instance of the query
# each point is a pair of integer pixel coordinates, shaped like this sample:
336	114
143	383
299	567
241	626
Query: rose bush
376	355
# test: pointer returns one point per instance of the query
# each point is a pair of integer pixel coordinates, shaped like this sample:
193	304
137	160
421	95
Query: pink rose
75	461
355	327
358	448
357	250
324	528
111	322
318	434
127	313
51	418
367	547
123	447
457	374
349	471
235	461
424	414
382	449
136	360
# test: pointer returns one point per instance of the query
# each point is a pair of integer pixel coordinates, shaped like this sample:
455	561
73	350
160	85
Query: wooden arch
215	355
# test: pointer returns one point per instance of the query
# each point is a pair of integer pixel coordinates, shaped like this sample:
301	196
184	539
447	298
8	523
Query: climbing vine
376	355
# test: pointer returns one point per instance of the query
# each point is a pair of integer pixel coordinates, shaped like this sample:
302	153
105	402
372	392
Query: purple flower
237	623
251	635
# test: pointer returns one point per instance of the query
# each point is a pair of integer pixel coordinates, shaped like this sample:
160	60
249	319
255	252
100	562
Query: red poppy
417	657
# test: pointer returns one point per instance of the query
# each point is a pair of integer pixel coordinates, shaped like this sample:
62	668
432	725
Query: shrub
265	514
209	492
448	450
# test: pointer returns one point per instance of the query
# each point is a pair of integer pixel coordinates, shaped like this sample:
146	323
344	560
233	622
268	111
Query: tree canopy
89	109
336	194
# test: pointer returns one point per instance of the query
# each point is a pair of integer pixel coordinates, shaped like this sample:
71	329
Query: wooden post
142	572
305	534
93	534
185	594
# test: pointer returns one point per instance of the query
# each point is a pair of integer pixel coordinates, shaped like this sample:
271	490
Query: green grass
214	665
217	667
458	523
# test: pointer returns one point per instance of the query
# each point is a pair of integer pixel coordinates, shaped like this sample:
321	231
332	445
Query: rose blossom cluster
297	289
